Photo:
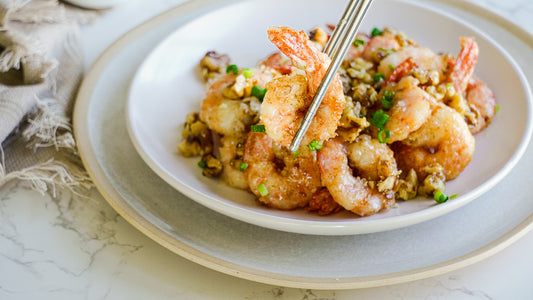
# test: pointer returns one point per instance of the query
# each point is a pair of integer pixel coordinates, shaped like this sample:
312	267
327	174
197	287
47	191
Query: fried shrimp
481	103
444	140
410	109
396	122
288	98
462	68
379	45
351	192
323	204
224	108
276	176
231	151
423	58
372	160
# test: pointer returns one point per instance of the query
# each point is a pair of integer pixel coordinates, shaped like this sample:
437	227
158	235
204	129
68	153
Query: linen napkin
41	68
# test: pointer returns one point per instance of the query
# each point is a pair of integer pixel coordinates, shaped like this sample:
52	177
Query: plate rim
336	227
133	217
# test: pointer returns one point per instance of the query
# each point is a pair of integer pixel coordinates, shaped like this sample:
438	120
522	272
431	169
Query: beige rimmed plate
166	88
448	242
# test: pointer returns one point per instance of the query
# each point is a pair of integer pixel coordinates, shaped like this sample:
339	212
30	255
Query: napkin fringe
50	175
44	127
40	40
48	128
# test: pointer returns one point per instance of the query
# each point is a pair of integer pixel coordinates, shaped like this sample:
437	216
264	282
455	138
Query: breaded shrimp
462	68
410	109
279	178
231	151
323	204
380	43
424	58
278	63
224	110
352	193
444	140
481	103
372	160
288	98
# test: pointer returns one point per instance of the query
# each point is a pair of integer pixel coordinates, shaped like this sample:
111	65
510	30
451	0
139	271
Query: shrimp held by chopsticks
288	97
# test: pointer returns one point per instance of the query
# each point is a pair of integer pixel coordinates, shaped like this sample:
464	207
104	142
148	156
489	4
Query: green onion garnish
262	189
248	72
358	43
449	85
440	197
383	139
387	99
232	69
202	164
314	145
378	77
258	92
388	51
296	153
243	166
391	67
259	128
496	109
379	118
375	32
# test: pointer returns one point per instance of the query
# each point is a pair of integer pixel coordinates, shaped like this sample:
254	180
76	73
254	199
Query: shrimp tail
296	45
401	70
462	68
276	62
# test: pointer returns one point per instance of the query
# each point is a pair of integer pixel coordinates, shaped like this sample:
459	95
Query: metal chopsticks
344	34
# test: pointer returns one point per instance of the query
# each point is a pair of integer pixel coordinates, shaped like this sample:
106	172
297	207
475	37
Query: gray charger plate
474	232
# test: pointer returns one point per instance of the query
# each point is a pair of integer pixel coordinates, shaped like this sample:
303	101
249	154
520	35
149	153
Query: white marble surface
69	247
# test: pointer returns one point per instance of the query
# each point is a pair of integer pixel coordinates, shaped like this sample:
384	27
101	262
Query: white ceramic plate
166	88
452	241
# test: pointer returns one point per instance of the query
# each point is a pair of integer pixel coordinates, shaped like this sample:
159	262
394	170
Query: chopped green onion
262	189
387	104
449	85
314	145
440	197
391	67
232	69
378	77
202	164
375	32
453	196
243	166
296	153
383	139
387	99
379	118
388	51
496	109
358	42
248	72
258	92
259	128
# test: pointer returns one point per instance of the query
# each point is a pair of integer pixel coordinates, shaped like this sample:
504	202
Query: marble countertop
69	247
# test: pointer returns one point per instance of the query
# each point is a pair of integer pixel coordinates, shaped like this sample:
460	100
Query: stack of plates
134	100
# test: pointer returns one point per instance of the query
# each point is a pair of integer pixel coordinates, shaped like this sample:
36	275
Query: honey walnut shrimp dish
397	121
